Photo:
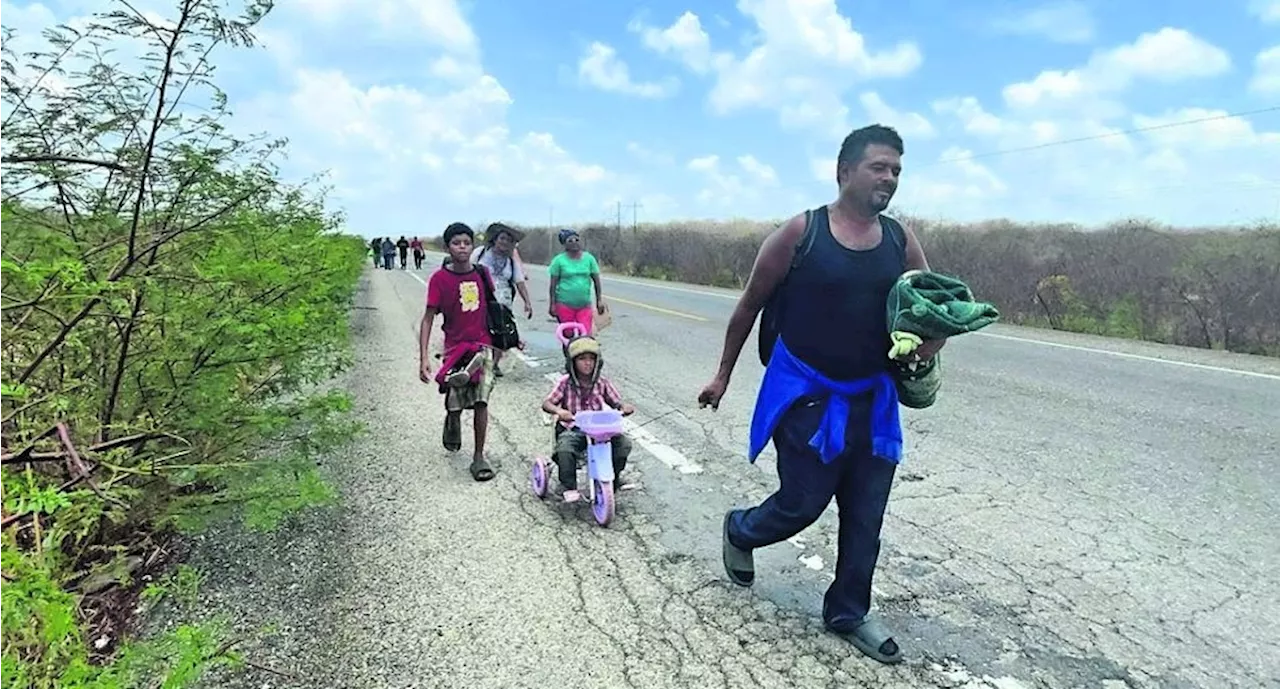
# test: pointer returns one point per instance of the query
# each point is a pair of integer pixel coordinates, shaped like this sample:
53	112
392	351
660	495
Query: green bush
172	313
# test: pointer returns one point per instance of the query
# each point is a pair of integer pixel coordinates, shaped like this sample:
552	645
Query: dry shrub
1204	287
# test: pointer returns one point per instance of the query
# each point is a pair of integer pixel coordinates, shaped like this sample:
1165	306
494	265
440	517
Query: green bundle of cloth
924	305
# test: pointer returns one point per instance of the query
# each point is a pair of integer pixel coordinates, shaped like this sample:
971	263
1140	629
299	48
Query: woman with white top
498	255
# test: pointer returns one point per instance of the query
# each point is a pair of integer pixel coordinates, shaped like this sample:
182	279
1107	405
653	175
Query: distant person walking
574	272
415	245
375	247
388	253
497	254
403	246
828	399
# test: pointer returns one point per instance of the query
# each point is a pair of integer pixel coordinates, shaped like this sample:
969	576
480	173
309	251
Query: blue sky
429	111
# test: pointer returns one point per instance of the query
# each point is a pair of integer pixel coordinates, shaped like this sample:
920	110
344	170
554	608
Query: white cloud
1266	71
823	169
1165	56
969	183
601	67
974	119
803	56
763	174
435	141
425	146
908	124
1068	21
684	39
456	137
727	189
1266	10
434	22
1066	147
1095	170
647	155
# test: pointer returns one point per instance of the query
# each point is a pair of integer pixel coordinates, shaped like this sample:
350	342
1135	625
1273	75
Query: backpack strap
806	241
897	233
768	332
486	281
802	247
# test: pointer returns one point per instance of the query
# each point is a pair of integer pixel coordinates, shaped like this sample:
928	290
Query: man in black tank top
844	440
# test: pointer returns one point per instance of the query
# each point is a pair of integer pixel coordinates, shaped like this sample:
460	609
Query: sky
423	112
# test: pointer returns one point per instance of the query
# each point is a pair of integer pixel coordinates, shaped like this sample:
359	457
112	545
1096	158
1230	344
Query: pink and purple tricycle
600	427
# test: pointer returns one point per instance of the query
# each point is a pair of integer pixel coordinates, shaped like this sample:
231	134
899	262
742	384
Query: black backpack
768	332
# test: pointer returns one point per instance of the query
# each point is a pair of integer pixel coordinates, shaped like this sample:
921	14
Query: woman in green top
573	273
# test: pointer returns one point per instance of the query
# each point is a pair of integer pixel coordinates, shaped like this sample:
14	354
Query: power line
1095	137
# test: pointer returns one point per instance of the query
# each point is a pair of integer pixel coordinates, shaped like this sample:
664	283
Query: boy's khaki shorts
472	394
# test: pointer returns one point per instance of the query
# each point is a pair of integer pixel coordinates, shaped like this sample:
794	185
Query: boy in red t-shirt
465	376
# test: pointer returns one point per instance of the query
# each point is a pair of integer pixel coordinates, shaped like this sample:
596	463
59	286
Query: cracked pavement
1064	517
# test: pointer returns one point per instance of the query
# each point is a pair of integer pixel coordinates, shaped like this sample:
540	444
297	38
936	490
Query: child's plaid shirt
568	396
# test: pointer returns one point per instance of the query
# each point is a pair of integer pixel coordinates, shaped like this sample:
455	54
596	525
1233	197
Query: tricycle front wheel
602	504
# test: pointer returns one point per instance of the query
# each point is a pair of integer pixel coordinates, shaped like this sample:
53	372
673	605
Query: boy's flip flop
480	470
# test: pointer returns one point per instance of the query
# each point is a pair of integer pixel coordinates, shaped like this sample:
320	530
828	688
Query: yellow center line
659	309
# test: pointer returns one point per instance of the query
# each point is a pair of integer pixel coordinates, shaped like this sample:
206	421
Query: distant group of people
383	251
828	401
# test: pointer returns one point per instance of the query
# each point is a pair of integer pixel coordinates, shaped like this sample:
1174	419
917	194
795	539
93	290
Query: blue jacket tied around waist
787	379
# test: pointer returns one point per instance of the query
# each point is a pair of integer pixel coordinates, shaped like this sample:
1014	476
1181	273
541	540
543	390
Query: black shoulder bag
499	319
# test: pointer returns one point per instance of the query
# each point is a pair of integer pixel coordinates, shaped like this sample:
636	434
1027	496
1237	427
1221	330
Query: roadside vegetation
1213	288
172	312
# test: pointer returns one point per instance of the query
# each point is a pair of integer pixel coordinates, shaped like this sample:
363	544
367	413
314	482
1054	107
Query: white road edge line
664	453
528	361
1139	357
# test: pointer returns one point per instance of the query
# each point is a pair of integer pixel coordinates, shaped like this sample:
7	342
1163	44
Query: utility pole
635	206
618	224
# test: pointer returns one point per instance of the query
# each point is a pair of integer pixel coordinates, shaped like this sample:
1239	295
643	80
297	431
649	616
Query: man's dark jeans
860	483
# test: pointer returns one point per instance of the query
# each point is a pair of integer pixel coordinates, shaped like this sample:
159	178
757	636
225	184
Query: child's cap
584	345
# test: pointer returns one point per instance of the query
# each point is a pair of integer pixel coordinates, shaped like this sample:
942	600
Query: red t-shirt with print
460	299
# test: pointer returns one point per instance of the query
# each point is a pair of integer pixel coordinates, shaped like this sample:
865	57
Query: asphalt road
1073	512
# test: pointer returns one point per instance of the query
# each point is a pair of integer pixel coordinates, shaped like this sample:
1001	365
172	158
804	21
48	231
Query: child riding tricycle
588	413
